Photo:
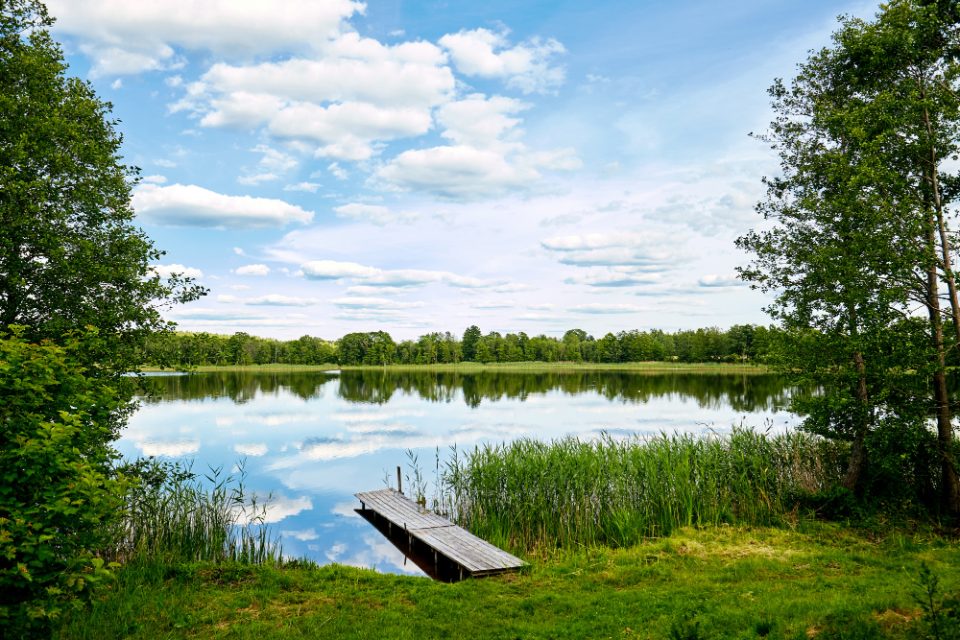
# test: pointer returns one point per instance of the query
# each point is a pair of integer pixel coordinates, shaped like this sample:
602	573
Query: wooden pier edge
460	553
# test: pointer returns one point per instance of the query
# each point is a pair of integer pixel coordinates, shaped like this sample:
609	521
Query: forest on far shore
739	343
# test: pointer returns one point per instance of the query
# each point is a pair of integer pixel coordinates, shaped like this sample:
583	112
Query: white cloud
603	309
130	37
332	270
347	130
638	251
272	165
255	449
479	121
190	205
280	507
357	302
615	279
372	276
271	300
374	213
153	179
252	270
527	66
309	187
337	171
304	535
487	158
348	99
167	270
725	280
170	449
457	172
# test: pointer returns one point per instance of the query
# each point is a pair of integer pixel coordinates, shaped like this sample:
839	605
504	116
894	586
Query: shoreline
493	367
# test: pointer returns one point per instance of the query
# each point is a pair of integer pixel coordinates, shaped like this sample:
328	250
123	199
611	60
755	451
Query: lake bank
517	367
816	580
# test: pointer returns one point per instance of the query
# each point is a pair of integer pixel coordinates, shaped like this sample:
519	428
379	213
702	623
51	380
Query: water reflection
744	393
314	439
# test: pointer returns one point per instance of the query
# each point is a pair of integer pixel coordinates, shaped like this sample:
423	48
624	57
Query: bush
59	500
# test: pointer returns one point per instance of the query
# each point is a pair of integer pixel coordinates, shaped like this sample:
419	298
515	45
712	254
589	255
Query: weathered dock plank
472	556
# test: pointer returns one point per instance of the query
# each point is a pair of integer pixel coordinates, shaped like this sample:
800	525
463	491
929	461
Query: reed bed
174	515
528	493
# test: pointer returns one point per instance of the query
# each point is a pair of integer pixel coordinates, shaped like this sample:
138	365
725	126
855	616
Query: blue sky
327	166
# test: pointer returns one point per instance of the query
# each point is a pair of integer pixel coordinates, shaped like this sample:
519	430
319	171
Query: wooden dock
439	547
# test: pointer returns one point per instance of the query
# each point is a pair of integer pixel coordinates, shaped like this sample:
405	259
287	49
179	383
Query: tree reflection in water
743	393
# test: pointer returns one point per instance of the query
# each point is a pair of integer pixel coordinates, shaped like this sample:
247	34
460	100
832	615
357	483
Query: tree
70	255
856	214
471	338
78	300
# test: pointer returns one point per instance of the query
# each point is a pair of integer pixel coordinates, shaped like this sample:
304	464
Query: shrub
58	496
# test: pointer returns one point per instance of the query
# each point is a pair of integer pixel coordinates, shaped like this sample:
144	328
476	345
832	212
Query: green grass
819	580
511	367
527	494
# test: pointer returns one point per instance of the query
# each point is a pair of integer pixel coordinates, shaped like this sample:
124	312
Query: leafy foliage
857	238
58	497
69	253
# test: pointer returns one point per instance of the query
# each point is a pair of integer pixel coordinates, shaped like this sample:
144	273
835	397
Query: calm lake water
314	439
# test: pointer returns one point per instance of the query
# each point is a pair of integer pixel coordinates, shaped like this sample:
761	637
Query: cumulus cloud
252	270
193	206
486	158
254	449
333	270
124	37
167	270
279	507
636	251
272	166
714	280
372	276
527	66
170	449
345	102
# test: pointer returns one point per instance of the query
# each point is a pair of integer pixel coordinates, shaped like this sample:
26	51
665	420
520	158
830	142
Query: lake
312	440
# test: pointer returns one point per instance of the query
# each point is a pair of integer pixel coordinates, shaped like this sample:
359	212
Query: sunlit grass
818	580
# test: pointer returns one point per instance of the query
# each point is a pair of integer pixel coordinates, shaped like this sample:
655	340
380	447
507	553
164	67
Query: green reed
529	493
174	515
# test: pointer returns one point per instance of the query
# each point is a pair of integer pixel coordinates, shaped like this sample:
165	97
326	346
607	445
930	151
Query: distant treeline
739	343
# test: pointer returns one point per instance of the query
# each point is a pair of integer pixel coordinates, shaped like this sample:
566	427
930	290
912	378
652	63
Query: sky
330	166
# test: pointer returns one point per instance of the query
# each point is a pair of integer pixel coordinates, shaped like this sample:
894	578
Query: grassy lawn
506	367
819	580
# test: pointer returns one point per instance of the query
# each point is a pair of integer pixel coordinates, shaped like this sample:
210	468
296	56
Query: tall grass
174	515
529	493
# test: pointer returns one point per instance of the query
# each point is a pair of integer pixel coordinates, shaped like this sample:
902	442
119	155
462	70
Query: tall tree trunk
949	482
858	450
933	177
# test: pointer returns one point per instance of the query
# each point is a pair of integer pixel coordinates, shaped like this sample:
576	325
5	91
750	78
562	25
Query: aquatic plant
175	515
529	493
